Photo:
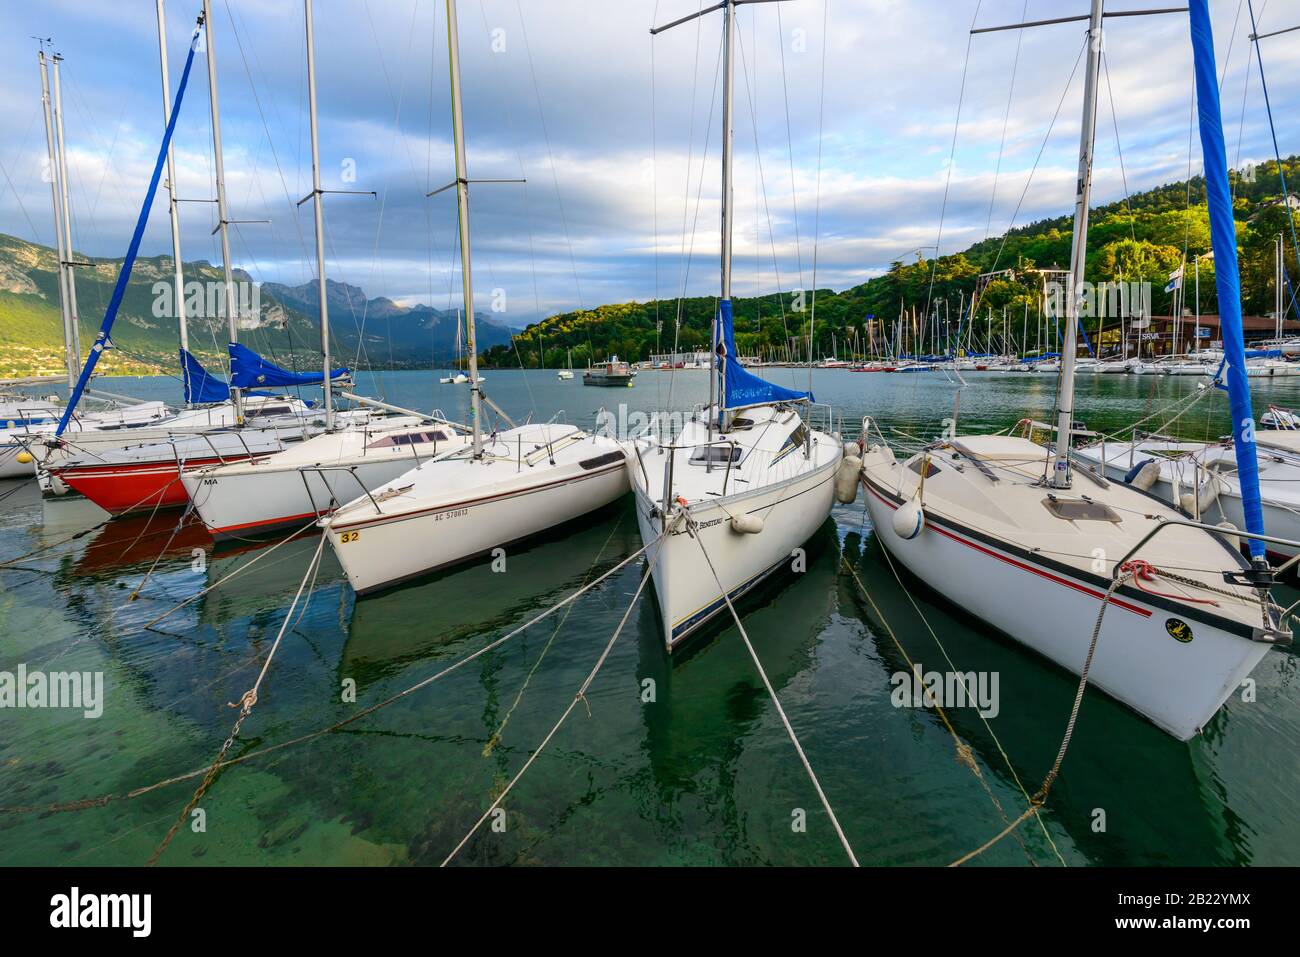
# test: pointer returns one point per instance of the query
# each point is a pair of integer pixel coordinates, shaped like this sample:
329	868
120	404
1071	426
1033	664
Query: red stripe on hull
269	524
138	487
1042	573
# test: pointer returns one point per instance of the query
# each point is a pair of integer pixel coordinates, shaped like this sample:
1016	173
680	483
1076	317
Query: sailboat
141	470
458	377
311	478
567	371
1019	536
500	489
747	481
24	421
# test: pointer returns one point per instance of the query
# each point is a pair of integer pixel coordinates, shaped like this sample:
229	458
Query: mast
320	218
223	219
1078	253
69	361
74	343
462	210
728	88
179	278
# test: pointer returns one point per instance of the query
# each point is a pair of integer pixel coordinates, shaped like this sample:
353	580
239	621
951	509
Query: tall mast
179	278
728	77
728	34
320	218
223	220
68	358
1078	252
462	210
73	312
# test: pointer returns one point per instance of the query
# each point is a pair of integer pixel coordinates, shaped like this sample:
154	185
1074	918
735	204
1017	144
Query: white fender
1147	476
908	520
1200	503
1233	540
746	524
846	479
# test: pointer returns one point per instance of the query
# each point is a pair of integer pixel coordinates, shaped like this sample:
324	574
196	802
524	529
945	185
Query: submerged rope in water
1040	797
839	831
246	708
581	695
964	753
105	799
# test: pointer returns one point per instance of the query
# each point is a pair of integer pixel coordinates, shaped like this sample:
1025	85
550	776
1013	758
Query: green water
704	774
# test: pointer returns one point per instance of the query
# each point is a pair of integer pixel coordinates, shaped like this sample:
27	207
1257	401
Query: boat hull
686	590
268	500
383	551
1052	609
122	489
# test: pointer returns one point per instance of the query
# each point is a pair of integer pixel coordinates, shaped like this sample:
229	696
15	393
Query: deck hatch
1080	510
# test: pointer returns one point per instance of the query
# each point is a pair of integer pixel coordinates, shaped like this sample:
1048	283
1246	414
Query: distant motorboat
614	373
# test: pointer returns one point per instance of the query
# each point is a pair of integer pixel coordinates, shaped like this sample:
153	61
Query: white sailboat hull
1052	610
244	503
685	586
466	510
311	479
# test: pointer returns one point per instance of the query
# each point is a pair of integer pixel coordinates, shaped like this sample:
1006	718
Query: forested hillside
1141	239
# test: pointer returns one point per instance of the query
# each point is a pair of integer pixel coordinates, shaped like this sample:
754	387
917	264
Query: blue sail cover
1223	238
201	386
102	340
248	370
740	387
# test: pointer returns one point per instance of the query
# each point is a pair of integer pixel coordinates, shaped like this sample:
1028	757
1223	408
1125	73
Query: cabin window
408	438
717	455
609	458
273	410
1080	510
924	467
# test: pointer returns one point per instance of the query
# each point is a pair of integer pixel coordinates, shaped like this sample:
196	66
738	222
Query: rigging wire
1006	118
817	202
952	158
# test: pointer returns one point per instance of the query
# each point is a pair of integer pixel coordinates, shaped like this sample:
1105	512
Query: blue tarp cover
248	370
201	386
740	387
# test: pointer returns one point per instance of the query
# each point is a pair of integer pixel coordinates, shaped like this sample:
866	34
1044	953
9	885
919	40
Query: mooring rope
105	799
94	528
581	695
1040	797
239	570
495	739
812	775
964	753
246	704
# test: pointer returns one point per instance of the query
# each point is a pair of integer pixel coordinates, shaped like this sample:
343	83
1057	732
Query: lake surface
703	774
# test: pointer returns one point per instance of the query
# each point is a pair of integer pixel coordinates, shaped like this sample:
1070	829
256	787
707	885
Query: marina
704	776
793	552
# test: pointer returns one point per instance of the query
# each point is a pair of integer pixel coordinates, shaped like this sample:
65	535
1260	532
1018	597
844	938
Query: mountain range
285	326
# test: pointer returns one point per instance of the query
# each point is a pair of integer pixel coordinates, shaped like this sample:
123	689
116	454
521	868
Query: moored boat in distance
614	373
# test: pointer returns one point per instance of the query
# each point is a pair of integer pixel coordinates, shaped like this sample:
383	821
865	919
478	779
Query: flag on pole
1175	280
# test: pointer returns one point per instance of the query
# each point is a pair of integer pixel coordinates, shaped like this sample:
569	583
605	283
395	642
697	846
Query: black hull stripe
1194	612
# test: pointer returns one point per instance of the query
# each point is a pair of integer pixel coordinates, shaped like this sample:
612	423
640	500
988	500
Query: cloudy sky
846	112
